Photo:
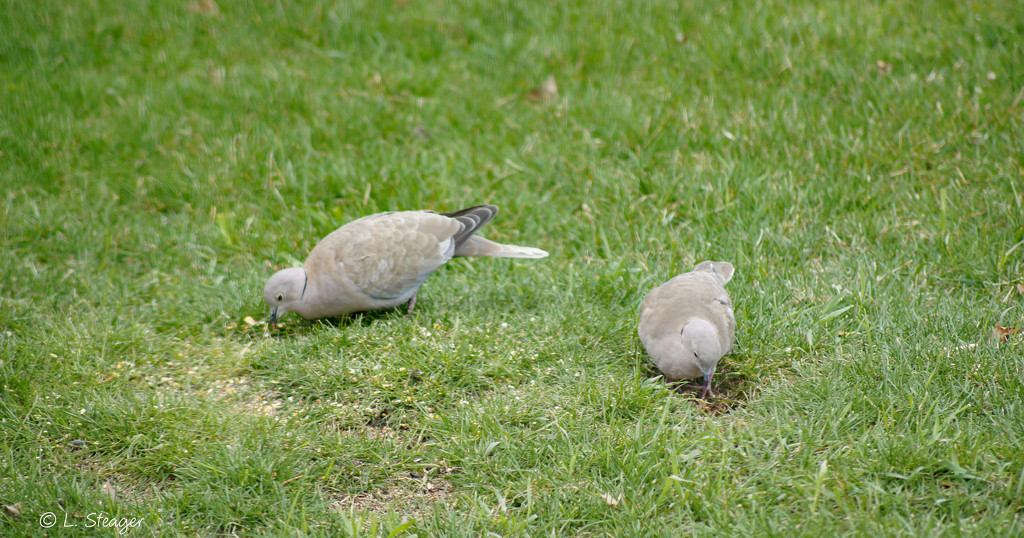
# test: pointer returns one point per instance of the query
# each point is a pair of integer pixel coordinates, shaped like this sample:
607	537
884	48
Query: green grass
860	164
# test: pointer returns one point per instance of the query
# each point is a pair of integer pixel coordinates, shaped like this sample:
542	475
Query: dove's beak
273	318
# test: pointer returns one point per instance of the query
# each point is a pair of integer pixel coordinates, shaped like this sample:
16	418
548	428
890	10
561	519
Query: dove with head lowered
380	261
687	324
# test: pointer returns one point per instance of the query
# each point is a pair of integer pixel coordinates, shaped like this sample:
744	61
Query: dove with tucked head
380	261
687	324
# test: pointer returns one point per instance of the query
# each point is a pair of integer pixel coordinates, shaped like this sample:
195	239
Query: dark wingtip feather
472	219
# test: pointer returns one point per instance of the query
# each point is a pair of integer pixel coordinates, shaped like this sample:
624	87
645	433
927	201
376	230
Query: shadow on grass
731	389
296	327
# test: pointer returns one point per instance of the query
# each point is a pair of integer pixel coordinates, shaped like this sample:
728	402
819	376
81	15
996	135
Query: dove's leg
412	303
705	389
675	384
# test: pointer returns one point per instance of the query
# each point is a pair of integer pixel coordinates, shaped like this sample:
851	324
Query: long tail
467	244
479	246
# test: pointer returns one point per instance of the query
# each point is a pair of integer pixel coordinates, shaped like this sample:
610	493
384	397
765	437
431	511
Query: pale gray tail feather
479	246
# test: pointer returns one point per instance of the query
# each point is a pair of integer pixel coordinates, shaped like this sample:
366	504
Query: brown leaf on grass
884	68
609	500
1020	288
216	73
1003	334
205	7
13	510
545	92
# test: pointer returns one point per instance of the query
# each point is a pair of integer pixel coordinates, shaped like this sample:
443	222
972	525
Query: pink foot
412	303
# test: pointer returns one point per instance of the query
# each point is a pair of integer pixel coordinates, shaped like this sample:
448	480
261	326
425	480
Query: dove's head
283	291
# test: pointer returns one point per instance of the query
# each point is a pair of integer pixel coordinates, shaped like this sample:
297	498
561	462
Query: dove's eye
280	297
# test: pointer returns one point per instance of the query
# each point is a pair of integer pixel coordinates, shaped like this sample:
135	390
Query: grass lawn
861	164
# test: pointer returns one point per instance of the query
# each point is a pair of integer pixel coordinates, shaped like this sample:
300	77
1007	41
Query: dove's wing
387	255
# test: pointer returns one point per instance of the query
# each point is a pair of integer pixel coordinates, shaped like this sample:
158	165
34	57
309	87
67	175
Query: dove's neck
329	296
307	305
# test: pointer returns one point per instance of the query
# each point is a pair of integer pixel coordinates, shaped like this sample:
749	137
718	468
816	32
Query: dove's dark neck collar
305	282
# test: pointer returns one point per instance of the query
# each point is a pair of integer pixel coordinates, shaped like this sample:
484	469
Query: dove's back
380	260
